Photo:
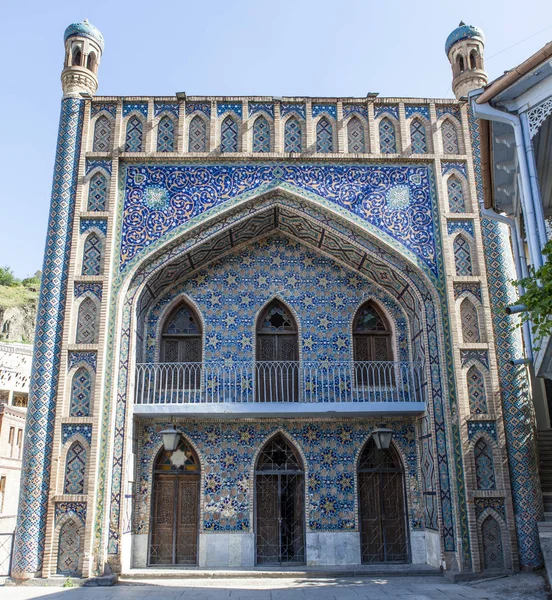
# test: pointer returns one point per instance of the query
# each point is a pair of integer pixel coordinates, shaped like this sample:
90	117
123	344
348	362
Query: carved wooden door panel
268	514
162	526
187	520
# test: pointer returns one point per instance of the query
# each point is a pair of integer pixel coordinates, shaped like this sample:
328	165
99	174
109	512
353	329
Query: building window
134	134
418	137
165	135
75	467
2	492
387	138
455	195
197	135
484	466
11	440
81	391
355	135
97	193
450	138
261	135
92	255
470	322
229	135
91	62
462	256
102	135
292	135
476	391
77	57
19	442
87	326
324	136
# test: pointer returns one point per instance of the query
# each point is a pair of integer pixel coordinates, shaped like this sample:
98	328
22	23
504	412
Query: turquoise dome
463	32
85	29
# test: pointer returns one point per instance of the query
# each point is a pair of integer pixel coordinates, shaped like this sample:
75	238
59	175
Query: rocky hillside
18	304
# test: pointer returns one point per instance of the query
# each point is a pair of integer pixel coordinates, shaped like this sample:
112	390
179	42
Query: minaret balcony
285	389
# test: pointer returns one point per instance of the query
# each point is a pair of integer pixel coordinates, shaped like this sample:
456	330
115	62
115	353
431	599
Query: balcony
285	389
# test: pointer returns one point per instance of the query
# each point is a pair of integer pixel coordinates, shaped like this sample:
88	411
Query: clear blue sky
231	47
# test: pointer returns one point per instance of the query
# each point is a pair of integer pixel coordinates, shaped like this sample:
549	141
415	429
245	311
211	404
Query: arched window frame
78	305
496	457
181	300
92	62
206	122
63	520
85	237
239	129
93	122
460	63
458	128
427	127
135	114
486	383
76	55
302	124
365	130
333	125
396	125
157	122
294	315
271	130
87	184
504	533
390	327
70	376
77	437
465	190
471	243
480	311
473	59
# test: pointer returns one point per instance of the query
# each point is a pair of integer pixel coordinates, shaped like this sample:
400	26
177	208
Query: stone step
548	516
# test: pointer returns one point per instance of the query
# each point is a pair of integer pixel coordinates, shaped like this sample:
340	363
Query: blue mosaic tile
411	111
381	109
289	107
496	504
444	109
93	288
77	358
329	109
488	427
472	288
360	109
165	107
92	164
460	225
447	166
100	224
267	107
77	509
98	107
69	430
224	107
202	107
129	107
481	356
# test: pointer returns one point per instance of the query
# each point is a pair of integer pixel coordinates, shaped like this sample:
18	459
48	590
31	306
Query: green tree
7	277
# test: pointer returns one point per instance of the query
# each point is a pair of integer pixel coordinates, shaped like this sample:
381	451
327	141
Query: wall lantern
382	437
170	437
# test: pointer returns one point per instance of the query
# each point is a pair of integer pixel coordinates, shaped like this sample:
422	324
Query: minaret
464	48
83	51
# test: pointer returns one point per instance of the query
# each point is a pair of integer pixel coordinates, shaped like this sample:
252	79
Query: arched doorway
279	504
277	365
175	507
382	507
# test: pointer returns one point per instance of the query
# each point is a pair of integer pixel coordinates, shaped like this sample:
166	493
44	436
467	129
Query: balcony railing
279	382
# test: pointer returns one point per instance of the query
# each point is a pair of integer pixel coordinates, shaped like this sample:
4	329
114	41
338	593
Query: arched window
473	60
324	135
69	548
355	135
460	63
165	135
418	137
279	503
197	135
476	391
87	326
450	137
229	135
92	255
388	143
77	57
175	510
102	135
484	465
455	193
382	508
292	135
462	256
470	322
261	135
91	62
97	193
75	467
81	392
491	542
134	133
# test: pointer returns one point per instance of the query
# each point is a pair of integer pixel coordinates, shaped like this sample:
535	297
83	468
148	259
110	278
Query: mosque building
269	335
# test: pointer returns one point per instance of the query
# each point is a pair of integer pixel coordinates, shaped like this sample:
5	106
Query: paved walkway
517	587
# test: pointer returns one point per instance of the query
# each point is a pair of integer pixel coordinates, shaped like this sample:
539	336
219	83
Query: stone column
39	429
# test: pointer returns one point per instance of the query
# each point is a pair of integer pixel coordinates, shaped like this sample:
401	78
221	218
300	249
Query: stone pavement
517	587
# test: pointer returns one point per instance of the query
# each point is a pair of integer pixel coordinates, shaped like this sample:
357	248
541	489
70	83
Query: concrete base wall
418	547
433	548
226	550
139	551
333	548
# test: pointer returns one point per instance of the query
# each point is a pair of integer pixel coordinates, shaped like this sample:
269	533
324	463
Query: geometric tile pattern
71	537
75	358
77	509
267	107
102	135
97	107
229	135
472	288
380	109
97	193
418	137
298	109
470	322
81	390
478	355
235	107
455	195
29	540
460	225
92	255
68	430
410	111
141	107
134	133
324	136
355	135
462	256
99	224
93	163
488	427
482	504
387	139
476	391
165	135
448	165
197	135
451	109
94	288
202	107
292	135
168	107
261	135
349	109
87	322
75	468
449	137
484	466
329	109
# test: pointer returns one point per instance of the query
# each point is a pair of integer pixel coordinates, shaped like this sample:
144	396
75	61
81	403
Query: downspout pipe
487	112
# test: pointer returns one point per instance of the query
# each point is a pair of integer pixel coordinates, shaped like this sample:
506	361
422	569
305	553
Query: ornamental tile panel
129	107
488	427
234	107
267	107
289	107
328	109
92	163
202	107
165	107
